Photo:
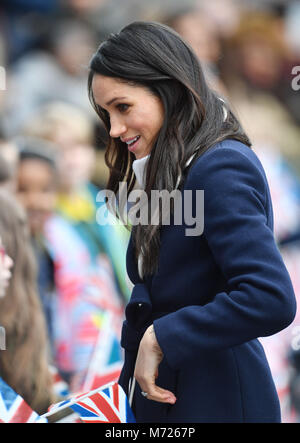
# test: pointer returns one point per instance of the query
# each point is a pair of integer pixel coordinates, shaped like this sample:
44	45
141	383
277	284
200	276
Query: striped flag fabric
13	408
107	404
60	387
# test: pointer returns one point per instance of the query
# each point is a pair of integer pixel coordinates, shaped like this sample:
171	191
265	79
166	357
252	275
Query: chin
139	156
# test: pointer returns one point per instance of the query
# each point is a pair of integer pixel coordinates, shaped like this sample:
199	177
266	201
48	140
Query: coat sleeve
260	300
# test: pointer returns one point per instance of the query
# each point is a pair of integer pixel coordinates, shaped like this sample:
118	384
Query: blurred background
52	157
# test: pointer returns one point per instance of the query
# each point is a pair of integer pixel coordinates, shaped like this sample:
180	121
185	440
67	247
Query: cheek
44	201
149	121
154	125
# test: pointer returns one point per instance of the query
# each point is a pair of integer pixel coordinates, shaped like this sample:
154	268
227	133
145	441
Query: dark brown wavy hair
154	56
24	363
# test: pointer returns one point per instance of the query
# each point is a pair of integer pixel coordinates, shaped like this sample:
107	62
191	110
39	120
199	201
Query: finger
159	394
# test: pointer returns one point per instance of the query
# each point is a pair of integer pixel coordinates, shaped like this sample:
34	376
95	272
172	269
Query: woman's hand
146	368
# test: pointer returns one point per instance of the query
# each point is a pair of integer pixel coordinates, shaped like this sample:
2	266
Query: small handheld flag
13	409
107	404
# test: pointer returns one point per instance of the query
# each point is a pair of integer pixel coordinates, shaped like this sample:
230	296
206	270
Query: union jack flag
13	409
60	387
107	404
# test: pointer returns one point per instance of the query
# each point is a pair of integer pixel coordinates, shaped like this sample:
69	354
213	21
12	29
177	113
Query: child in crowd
24	362
75	289
36	190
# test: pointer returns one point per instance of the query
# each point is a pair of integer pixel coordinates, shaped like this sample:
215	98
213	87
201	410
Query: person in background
54	73
203	36
24	23
255	57
74	288
24	363
36	191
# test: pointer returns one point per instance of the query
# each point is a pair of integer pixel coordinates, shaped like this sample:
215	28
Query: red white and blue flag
60	387
107	404
13	409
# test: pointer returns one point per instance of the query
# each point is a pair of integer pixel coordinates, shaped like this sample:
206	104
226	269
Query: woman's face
6	264
136	115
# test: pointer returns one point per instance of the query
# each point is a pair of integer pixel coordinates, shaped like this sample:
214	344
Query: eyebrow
113	100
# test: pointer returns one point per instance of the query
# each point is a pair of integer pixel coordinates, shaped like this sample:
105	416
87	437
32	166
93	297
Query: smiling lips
131	142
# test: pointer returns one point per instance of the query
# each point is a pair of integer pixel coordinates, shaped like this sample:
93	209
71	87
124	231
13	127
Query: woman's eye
123	107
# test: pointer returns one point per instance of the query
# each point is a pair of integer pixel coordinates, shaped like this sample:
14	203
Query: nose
117	127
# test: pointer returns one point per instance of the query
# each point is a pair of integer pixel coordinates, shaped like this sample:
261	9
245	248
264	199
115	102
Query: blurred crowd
63	282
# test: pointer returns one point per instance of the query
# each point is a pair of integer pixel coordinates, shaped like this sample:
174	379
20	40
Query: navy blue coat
212	297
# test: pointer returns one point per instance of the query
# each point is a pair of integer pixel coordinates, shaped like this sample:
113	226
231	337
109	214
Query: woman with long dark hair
24	363
199	302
